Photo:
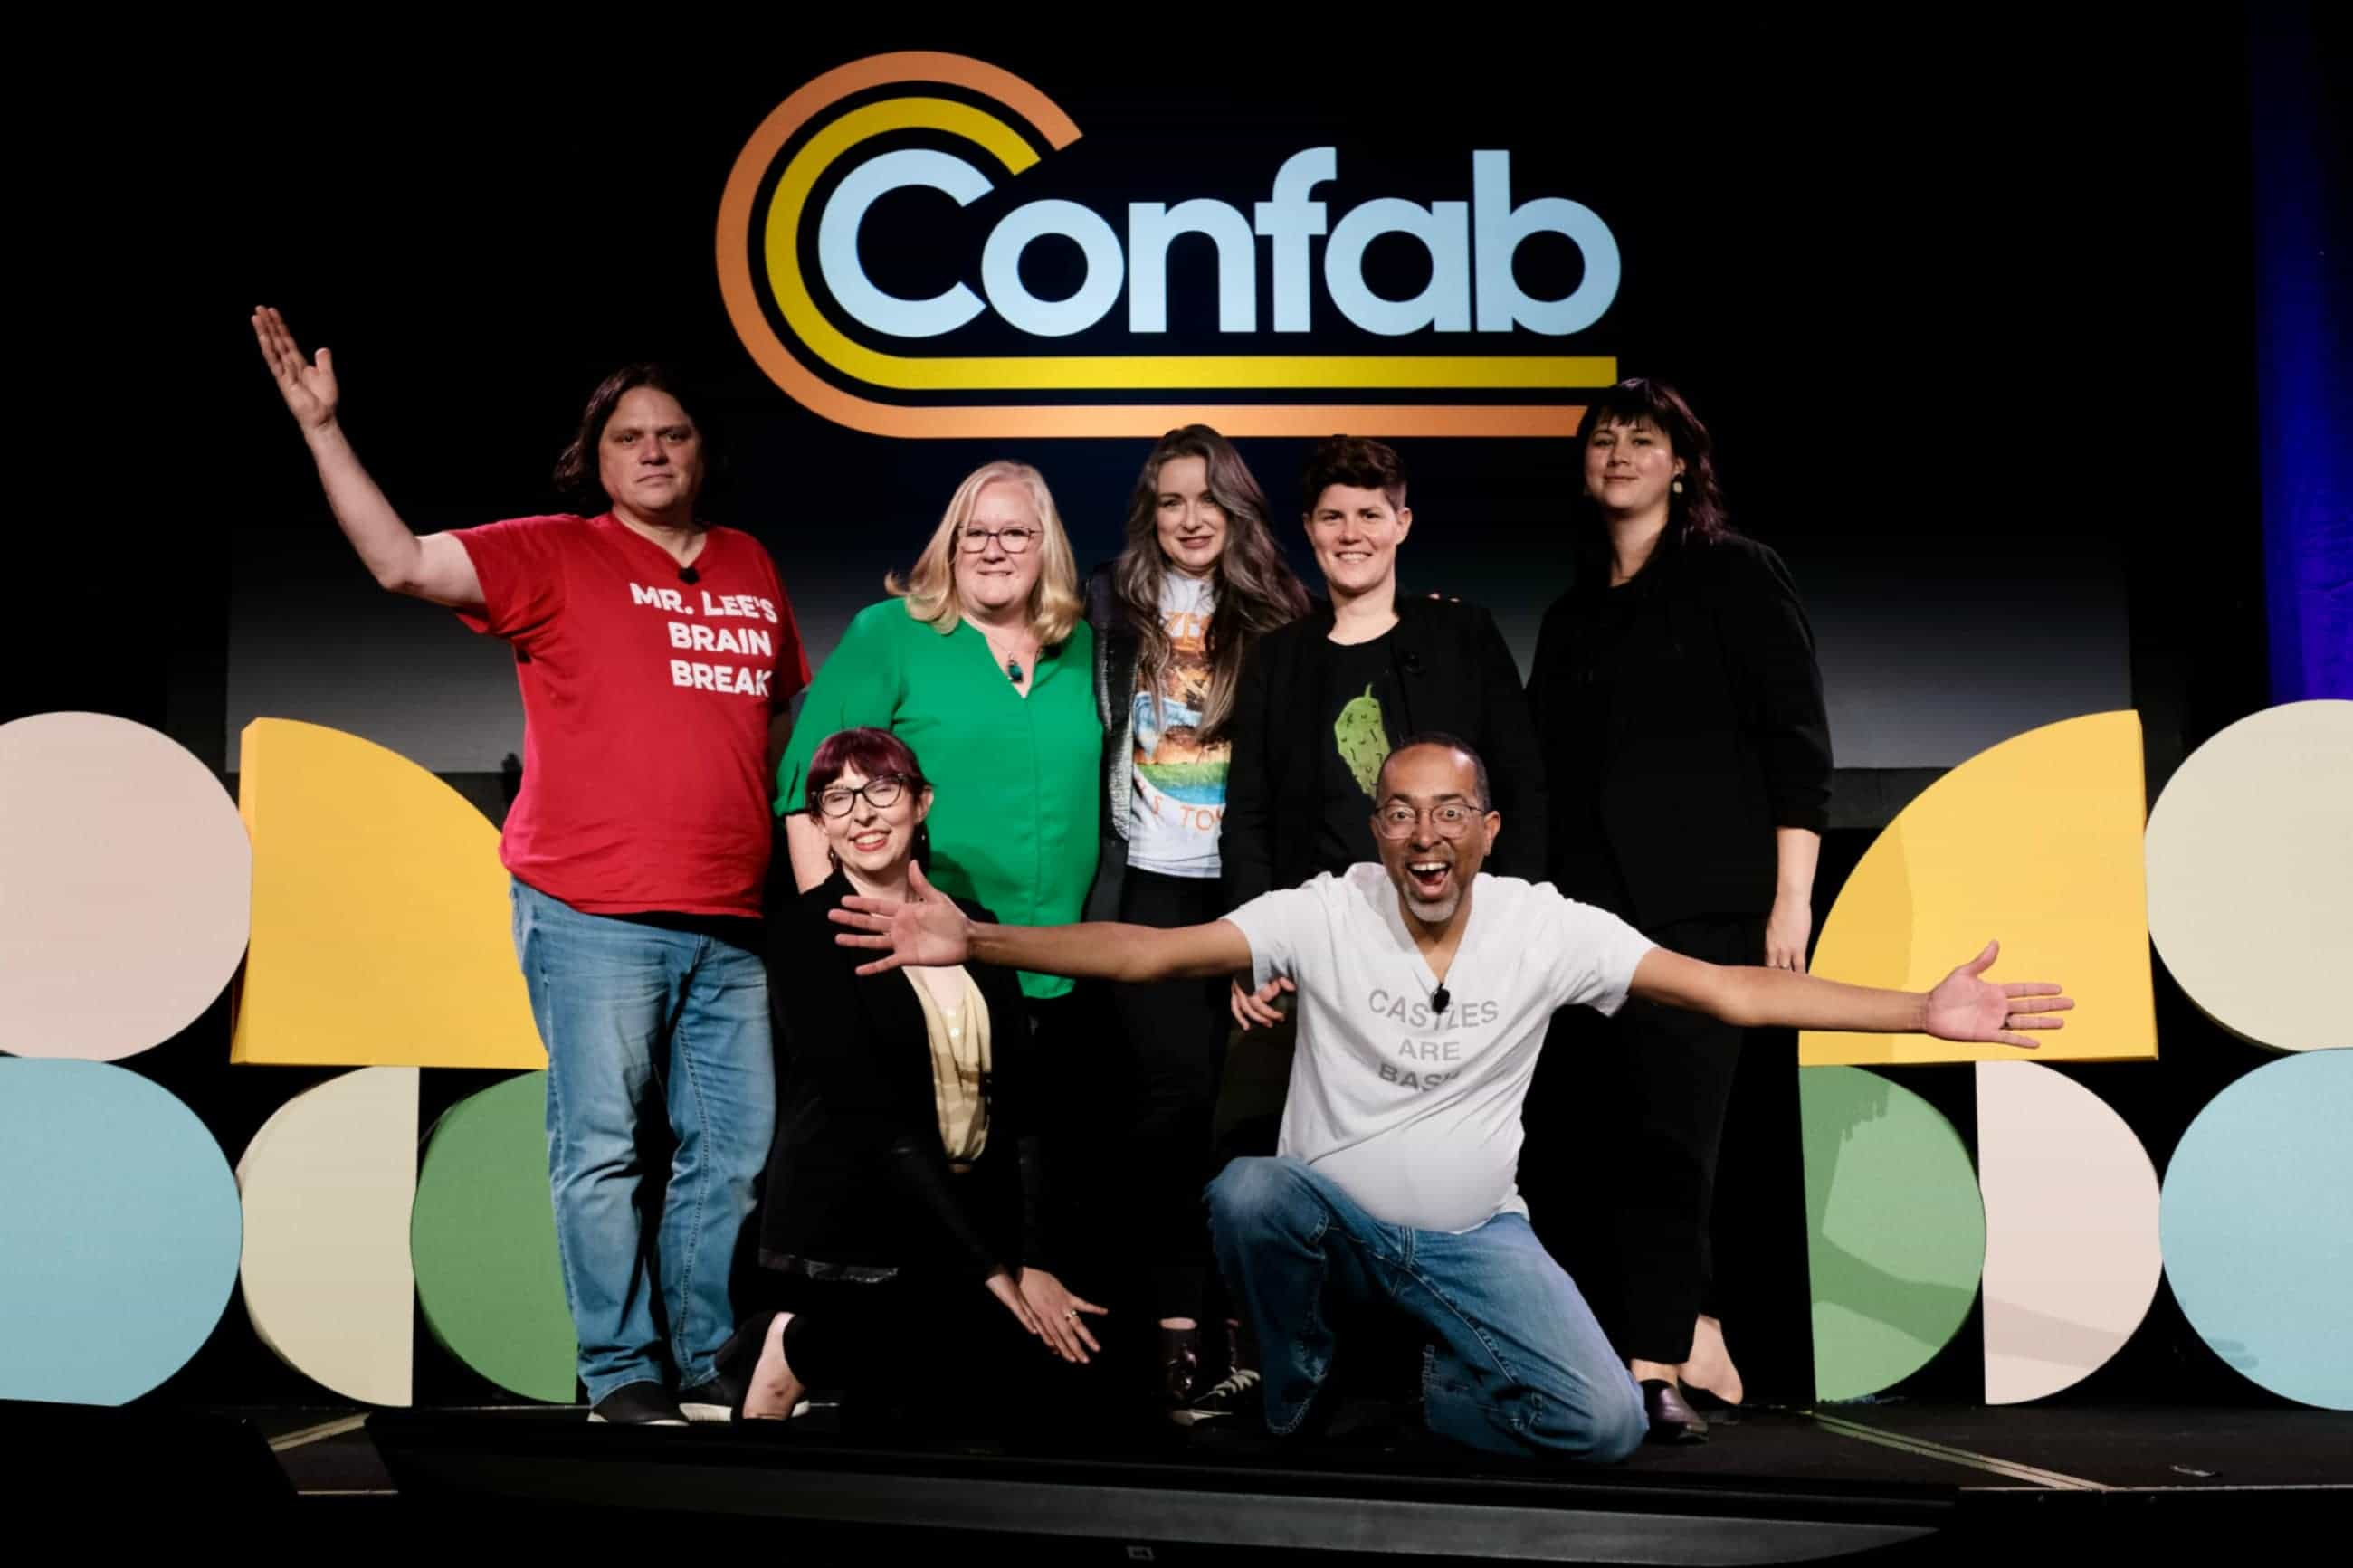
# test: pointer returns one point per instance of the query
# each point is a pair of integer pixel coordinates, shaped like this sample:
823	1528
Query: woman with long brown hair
1687	757
1199	580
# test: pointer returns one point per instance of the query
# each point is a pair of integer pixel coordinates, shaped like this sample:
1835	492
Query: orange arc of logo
740	292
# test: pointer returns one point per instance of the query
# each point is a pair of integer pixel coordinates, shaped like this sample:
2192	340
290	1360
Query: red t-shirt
646	702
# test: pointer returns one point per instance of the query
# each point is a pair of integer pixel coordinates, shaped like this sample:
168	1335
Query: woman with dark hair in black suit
897	1227
1687	761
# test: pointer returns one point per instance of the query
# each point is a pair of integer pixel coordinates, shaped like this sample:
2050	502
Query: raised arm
436	567
1961	1007
929	931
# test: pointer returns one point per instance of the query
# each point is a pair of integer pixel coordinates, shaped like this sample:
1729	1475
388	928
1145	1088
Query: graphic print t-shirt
1354	727
1179	798
645	704
1415	1112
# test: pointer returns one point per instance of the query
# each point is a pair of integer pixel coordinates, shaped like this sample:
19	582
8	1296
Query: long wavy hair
930	589
1256	590
1696	516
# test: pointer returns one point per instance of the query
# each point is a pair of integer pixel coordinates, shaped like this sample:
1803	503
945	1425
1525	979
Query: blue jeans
633	1014
1516	1363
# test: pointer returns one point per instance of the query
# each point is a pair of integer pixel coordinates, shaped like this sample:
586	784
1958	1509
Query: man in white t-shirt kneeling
1424	988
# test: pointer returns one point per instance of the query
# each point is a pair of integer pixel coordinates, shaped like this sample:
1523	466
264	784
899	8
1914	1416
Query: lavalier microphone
689	574
1440	1000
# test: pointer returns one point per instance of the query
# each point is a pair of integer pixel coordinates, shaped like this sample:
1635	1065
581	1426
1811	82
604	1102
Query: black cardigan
859	1184
1717	734
1116	649
1451	671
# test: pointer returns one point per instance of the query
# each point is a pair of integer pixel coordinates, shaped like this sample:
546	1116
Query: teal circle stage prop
2257	1223
120	1231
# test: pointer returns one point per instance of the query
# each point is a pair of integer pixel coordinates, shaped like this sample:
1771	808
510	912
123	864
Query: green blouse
1015	808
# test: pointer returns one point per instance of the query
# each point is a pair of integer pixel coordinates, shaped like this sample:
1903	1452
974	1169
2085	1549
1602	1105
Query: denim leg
601	992
722	1107
1294	1248
1518	1365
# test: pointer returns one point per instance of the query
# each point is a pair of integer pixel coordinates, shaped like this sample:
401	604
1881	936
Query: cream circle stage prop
2250	855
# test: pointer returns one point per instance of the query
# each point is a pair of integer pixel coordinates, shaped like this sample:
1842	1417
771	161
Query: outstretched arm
928	931
1961	1007
436	567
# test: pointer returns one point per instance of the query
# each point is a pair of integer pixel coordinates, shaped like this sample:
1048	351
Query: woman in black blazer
1177	616
1687	762
897	1220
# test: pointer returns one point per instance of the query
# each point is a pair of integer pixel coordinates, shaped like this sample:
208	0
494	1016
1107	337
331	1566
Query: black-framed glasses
1448	819
882	793
1013	541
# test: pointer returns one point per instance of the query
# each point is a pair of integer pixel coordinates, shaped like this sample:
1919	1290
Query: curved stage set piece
276	1236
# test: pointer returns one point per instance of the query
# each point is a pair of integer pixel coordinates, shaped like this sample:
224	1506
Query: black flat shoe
1180	1367
1716	1411
1672	1420
731	1372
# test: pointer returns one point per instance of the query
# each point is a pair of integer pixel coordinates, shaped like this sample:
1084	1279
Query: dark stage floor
1915	1481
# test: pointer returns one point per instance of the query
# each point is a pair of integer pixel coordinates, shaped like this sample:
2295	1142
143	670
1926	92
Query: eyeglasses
1012	541
1450	820
882	793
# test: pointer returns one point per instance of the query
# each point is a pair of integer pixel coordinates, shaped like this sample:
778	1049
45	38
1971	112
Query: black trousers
1623	1125
936	1352
1172	1041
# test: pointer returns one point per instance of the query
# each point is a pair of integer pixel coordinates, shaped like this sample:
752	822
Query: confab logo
825	143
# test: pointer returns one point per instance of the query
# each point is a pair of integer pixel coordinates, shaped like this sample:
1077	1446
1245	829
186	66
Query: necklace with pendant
1012	664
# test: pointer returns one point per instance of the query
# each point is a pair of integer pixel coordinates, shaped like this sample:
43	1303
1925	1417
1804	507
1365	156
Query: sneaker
1236	1428
638	1405
1236	1394
706	1402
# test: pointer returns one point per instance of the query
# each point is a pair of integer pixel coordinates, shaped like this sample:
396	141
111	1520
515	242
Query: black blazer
1117	647
858	1181
1716	734
1453	672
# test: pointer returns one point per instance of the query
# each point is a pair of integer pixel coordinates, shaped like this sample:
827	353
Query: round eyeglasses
882	793
1015	541
1451	819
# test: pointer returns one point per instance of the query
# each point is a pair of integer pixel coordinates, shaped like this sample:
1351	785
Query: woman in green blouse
983	662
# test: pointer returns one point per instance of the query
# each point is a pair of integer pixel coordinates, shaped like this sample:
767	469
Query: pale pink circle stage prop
126	887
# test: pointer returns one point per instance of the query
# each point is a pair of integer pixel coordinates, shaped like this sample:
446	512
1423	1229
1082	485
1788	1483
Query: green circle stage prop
482	1239
1895	1234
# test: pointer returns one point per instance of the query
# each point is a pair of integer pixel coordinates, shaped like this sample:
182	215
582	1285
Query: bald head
1437	740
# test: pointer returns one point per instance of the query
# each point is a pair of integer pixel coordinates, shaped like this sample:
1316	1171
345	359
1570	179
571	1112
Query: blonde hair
930	588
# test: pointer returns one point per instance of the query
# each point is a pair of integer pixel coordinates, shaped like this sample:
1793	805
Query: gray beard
1435	914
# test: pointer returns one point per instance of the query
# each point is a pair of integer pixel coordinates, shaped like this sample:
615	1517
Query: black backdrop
1967	304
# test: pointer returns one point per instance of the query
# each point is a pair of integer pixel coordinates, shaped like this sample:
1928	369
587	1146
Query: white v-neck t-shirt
1417	1114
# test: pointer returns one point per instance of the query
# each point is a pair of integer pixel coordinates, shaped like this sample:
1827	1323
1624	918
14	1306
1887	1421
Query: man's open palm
926	931
1964	1008
308	386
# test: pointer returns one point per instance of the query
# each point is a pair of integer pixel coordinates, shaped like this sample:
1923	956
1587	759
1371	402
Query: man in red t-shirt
657	655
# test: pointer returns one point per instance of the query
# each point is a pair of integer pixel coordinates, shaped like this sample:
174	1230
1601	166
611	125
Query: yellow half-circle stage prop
2036	841
380	925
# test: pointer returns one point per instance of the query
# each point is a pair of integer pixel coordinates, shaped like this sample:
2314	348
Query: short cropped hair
1354	460
1486	799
